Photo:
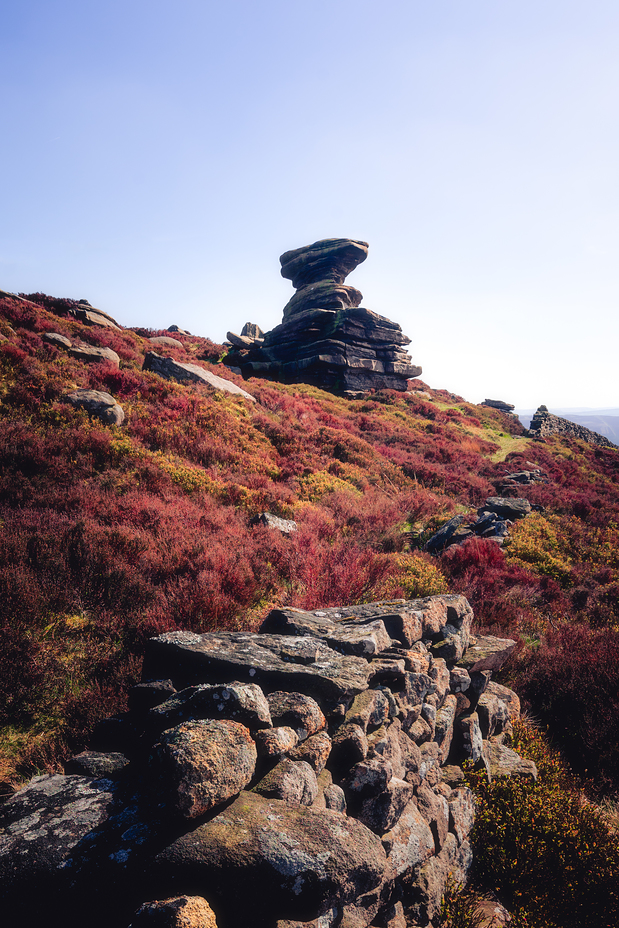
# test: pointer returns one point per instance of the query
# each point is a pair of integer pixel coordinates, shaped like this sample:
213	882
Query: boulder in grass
94	355
502	761
55	338
165	341
99	404
285	526
193	373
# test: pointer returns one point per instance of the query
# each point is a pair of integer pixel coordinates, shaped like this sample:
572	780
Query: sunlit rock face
326	337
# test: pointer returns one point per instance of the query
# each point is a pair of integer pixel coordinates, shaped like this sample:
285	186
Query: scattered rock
506	508
285	526
165	341
91	354
194	373
99	404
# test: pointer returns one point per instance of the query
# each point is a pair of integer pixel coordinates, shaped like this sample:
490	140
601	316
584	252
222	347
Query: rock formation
307	774
544	424
326	338
501	405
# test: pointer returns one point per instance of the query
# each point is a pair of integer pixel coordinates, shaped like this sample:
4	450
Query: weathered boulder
54	338
506	507
99	404
202	764
193	373
502	761
92	354
178	912
409	843
262	857
273	742
508	697
315	750
166	341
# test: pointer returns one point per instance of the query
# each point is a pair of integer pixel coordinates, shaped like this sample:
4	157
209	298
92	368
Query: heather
113	534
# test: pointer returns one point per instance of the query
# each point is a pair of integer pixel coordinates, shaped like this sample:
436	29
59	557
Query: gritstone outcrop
544	424
326	337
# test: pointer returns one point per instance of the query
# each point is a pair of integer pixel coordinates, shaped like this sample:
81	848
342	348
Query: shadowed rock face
327	338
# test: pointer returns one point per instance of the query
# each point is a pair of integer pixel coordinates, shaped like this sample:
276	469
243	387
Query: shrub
545	850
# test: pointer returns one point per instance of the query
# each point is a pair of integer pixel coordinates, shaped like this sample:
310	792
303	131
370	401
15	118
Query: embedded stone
202	764
239	702
292	781
300	712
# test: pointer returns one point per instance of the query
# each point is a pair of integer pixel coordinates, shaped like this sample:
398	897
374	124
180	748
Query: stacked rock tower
326	337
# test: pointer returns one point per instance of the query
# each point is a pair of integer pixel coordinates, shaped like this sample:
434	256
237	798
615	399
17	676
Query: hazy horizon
159	159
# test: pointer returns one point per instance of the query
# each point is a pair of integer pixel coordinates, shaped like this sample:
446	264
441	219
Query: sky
158	157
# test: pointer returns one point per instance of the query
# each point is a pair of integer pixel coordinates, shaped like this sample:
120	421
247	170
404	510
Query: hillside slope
114	533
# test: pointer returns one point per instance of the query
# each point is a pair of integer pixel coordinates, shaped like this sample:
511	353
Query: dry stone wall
308	774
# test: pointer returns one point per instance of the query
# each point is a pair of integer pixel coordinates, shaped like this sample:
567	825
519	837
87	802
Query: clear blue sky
158	157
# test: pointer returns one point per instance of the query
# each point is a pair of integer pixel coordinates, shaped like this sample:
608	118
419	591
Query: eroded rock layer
327	338
304	775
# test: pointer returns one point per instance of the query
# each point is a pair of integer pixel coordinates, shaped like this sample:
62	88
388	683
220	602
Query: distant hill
603	421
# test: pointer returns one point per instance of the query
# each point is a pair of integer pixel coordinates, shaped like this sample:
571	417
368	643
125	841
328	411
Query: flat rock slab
488	653
262	856
174	370
39	828
275	662
364	640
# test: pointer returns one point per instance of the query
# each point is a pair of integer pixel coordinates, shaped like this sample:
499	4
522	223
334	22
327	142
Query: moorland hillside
112	533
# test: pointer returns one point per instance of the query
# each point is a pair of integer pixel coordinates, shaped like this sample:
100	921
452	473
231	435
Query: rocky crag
305	775
326	338
544	424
